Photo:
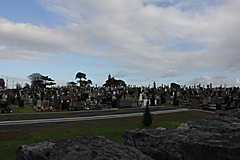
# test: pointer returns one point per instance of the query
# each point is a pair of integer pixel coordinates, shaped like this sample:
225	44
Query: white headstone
39	103
4	97
145	102
30	100
140	97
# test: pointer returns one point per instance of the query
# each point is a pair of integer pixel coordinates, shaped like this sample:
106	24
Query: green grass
27	109
8	148
109	128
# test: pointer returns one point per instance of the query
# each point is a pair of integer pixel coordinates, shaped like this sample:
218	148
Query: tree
86	83
46	79
80	76
18	86
147	116
36	80
26	85
112	82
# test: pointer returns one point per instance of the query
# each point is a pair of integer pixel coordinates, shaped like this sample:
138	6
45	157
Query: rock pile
212	138
75	148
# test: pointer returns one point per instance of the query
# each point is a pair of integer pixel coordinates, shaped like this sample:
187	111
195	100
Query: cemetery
79	98
212	133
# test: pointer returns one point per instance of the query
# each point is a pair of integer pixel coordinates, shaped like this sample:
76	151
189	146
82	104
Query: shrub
147	117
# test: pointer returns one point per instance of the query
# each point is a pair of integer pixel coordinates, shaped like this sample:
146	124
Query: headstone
30	100
152	102
109	100
56	104
9	102
205	101
104	101
65	104
73	99
21	103
140	97
98	100
128	97
84	97
125	103
55	96
145	101
4	97
3	104
39	103
195	104
45	104
214	100
26	97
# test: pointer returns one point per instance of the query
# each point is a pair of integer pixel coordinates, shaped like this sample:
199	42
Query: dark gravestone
98	107
195	104
3	104
125	103
98	100
65	104
175	101
78	99
237	103
56	104
13	100
104	101
116	103
84	97
152	102
9	102
109	100
21	103
163	99
42	96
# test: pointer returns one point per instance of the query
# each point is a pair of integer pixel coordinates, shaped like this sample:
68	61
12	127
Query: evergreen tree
147	117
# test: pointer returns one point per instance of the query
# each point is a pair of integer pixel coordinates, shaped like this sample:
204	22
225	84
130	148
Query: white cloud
172	73
122	74
132	35
216	81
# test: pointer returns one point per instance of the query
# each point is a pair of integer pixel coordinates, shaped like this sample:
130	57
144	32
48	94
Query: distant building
2	83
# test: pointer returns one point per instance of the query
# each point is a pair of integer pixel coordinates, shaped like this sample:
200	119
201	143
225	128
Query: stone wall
213	138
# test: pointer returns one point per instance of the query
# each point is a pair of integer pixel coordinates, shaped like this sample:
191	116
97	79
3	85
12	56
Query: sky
139	41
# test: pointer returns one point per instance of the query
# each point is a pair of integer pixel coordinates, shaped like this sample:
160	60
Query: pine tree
147	117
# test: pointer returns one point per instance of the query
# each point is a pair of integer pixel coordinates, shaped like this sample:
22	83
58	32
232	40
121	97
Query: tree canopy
80	76
83	83
38	80
112	82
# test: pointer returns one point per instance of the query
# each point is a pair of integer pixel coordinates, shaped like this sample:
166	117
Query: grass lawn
110	128
26	109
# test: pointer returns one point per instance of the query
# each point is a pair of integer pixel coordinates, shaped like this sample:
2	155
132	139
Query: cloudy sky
138	41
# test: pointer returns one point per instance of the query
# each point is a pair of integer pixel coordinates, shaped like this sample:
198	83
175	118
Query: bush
8	110
147	117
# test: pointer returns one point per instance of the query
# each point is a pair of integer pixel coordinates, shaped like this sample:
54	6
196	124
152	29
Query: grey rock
75	148
213	138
